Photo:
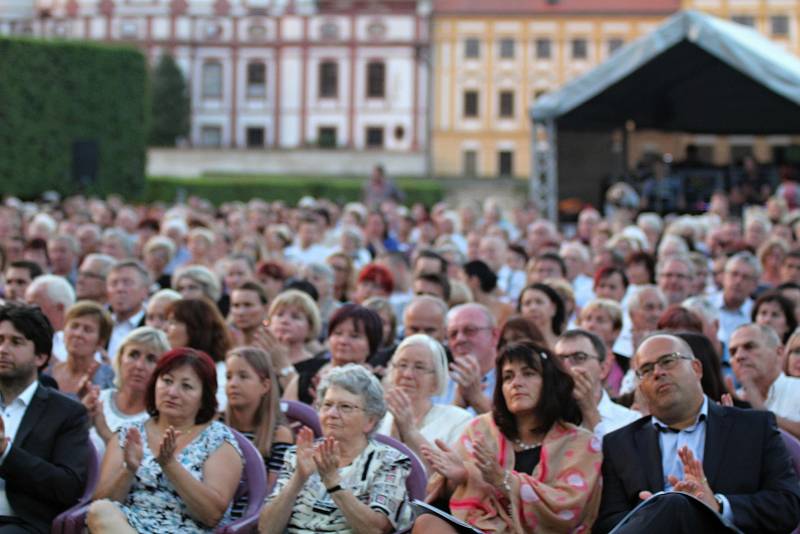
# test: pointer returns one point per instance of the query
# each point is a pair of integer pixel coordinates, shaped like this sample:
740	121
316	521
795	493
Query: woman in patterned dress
346	482
177	471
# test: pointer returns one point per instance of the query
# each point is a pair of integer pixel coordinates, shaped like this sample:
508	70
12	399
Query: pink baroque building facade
270	73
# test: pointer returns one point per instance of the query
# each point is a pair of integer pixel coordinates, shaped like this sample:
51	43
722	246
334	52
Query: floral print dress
153	505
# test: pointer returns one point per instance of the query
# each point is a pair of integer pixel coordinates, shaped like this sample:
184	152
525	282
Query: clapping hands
166	450
132	451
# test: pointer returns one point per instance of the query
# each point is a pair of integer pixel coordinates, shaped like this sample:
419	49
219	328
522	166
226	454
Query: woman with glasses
417	372
345	482
526	466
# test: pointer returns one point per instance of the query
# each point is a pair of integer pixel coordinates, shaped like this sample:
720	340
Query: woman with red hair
178	470
373	281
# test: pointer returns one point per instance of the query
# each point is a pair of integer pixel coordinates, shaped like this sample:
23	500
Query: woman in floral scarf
526	466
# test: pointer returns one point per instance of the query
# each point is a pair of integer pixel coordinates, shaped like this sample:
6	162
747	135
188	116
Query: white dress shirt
783	398
613	416
12	417
122	329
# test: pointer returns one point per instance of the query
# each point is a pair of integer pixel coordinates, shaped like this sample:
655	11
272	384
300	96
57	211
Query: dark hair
438	279
552	256
149	224
557	323
597	343
363	318
202	364
485	275
522	326
786	305
788	285
556	403
518	250
643	258
608	271
676	317
31	323
428	253
252	285
382	217
703	350
204	325
40	244
32	267
272	269
302	285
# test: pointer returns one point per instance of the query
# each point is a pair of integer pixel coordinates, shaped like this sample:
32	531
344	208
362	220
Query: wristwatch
719	502
287	371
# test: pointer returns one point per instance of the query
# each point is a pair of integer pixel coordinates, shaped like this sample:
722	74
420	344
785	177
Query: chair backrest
417	480
254	475
302	413
62	523
793	446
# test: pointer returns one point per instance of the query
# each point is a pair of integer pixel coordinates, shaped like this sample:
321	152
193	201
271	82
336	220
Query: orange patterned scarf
562	494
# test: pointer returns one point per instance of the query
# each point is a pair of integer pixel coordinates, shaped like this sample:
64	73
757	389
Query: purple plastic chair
253	485
302	413
417	480
62	524
793	447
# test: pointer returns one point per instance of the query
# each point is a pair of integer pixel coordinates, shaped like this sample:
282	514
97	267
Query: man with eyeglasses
472	338
757	358
584	355
720	468
739	281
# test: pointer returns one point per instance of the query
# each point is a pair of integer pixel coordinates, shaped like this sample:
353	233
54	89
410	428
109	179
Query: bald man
732	460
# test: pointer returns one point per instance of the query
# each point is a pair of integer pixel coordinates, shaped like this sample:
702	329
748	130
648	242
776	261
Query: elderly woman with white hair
124	403
345	482
418	372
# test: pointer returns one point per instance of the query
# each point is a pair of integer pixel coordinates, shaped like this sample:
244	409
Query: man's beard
18	378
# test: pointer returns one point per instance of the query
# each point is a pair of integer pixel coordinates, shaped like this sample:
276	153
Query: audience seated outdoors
346	481
638	332
178	470
254	406
354	334
417	372
44	442
527	466
124	403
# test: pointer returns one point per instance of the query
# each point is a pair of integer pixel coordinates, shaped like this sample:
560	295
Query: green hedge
290	189
53	93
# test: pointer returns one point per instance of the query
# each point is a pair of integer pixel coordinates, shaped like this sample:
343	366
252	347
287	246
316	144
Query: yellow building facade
489	67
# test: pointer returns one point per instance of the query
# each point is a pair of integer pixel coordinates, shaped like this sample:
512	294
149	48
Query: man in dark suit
731	462
44	440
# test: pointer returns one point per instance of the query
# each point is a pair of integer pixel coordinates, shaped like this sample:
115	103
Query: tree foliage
171	106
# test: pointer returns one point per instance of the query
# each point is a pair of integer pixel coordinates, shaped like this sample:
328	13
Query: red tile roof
555	7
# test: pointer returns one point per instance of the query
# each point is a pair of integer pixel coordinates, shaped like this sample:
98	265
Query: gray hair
578	333
67	239
162	242
490	319
320	269
768	333
136	265
203	276
104	262
437	354
57	288
650	220
580	248
120	235
745	257
150	337
421	300
702	306
170	295
635	299
356	380
684	259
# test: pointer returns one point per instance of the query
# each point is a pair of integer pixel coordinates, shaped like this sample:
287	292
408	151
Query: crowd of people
633	371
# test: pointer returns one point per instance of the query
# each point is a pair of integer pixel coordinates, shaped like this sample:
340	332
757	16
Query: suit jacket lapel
718	426
32	414
650	456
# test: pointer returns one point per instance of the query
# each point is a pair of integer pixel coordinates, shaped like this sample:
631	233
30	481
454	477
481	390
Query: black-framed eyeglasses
577	358
666	362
